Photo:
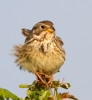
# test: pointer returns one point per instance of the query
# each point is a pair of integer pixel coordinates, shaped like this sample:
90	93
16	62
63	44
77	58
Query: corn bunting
42	52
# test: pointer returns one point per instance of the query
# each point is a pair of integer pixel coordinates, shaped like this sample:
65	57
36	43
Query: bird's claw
43	78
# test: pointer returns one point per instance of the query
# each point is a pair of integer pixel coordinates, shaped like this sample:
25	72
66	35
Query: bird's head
43	30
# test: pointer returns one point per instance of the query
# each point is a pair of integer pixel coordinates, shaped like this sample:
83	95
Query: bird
42	52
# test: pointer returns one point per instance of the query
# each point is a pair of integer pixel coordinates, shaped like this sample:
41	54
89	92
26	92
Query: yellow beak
51	30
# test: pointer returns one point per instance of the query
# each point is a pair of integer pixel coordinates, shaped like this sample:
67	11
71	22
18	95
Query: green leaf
45	95
1	98
20	99
33	95
6	94
26	98
24	86
28	93
58	96
65	86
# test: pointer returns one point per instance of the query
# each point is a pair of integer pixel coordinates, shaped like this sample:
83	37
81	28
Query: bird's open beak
51	29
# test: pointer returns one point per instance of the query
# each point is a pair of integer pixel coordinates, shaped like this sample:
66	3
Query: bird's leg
48	79
51	79
39	77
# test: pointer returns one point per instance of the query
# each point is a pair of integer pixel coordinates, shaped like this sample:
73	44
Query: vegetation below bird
38	91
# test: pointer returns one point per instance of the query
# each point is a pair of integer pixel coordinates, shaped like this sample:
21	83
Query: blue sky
73	23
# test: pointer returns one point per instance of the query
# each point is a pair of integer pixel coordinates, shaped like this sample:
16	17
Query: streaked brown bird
42	52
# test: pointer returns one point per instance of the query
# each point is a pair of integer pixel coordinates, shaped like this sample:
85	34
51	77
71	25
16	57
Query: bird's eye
42	26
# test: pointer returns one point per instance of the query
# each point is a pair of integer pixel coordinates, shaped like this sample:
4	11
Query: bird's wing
27	33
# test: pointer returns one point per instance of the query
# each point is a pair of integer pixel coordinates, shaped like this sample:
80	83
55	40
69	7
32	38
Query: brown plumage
42	51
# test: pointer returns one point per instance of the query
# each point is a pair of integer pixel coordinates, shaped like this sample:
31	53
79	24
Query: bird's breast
45	57
36	56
